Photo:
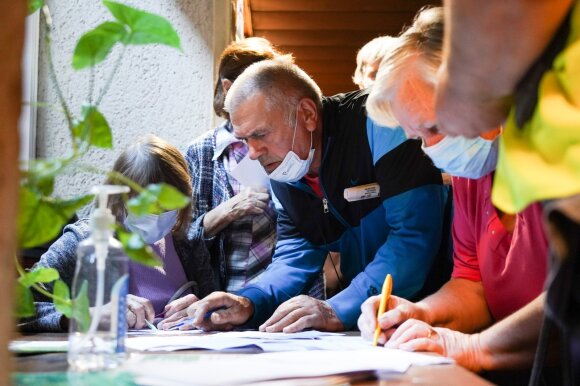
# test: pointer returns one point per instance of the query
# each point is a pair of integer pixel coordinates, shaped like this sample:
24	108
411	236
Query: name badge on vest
362	192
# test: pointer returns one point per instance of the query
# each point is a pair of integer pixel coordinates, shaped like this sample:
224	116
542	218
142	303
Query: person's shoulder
347	100
202	142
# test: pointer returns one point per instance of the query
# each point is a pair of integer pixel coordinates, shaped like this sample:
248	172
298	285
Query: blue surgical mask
293	168
464	157
152	227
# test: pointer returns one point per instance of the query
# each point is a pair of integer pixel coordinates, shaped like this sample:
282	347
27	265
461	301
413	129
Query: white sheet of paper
309	340
251	334
20	346
251	174
150	332
271	366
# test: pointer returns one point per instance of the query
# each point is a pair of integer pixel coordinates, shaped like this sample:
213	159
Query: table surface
444	375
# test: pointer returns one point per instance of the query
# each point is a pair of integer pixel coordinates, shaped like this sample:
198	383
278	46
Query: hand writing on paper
176	311
398	311
415	335
302	312
230	311
138	310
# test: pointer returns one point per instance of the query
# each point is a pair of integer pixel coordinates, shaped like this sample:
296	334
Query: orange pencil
385	294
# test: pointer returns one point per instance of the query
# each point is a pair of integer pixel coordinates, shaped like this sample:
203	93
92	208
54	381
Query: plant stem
52	72
113	72
38	288
91	84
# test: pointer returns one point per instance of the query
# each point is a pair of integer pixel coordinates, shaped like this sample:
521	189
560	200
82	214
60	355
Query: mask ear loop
294	136
295	125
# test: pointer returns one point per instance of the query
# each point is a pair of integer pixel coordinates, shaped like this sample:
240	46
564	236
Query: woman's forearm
217	219
459	305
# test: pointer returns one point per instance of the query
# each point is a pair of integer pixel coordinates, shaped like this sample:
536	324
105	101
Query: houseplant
41	216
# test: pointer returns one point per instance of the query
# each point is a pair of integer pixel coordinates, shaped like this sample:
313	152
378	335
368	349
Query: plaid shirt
244	249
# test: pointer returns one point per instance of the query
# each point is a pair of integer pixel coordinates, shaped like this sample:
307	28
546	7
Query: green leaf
93	129
136	249
40	275
80	309
24	302
40	174
34	5
168	196
62	301
157	198
41	218
144	27
94	46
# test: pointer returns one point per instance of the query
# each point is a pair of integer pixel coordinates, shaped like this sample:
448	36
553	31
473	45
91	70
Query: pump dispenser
101	278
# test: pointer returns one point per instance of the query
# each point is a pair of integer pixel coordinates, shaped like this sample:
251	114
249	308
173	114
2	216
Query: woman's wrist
424	312
479	355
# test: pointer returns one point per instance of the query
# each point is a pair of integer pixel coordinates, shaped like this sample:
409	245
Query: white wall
156	89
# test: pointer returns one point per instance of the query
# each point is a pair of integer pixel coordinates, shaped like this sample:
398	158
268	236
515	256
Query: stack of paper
247	340
209	369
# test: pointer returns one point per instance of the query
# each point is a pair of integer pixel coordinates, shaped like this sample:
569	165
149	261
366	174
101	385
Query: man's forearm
459	305
511	343
490	45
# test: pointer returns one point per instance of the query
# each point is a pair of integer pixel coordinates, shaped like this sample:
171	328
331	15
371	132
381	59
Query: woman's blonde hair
372	53
418	48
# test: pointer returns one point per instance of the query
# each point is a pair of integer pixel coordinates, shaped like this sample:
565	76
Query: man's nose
253	151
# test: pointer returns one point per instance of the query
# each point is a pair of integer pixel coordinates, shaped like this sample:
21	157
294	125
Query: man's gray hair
419	48
281	81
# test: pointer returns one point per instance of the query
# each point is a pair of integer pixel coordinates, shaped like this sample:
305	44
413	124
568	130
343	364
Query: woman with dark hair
183	273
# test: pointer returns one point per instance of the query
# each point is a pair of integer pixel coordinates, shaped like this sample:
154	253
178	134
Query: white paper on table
238	339
185	342
150	332
251	174
209	370
252	334
21	346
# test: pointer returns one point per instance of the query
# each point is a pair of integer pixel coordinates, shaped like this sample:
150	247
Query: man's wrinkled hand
300	313
176	311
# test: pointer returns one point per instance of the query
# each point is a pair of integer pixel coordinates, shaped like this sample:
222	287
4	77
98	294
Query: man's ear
309	112
226	84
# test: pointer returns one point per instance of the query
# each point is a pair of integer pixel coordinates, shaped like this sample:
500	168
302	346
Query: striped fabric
250	253
211	186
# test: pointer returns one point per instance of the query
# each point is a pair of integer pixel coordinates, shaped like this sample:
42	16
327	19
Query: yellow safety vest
541	160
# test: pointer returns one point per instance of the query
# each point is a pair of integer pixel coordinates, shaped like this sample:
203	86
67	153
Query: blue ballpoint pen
190	320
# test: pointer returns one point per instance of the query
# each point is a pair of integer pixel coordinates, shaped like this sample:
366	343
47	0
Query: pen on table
385	294
150	325
190	319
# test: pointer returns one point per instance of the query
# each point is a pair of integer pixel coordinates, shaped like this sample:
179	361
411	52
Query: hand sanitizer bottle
101	280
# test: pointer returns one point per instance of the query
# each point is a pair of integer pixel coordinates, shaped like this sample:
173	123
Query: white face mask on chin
293	168
152	227
464	157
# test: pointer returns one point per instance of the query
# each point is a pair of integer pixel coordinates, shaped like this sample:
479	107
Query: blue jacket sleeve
295	266
415	219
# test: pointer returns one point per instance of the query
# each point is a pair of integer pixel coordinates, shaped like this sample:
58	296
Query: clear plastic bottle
101	279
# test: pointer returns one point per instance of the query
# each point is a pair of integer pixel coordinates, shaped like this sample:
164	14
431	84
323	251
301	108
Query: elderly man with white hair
317	151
